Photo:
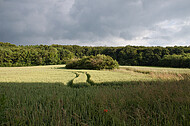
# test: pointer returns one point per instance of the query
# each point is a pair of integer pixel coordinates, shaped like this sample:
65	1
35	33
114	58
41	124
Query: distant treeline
12	55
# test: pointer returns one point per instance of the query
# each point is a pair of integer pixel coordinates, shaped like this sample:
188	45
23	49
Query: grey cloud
90	22
146	38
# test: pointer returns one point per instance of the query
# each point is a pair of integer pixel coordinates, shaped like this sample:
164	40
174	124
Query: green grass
144	96
141	103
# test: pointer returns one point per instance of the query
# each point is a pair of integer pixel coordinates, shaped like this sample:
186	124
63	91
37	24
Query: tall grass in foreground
141	103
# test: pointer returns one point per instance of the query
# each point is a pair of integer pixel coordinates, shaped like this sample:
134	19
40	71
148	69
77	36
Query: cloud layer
95	23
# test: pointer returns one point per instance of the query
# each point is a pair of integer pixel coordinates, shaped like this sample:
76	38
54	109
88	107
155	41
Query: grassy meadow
44	95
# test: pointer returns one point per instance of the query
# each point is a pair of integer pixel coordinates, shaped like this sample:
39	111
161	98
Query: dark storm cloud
99	22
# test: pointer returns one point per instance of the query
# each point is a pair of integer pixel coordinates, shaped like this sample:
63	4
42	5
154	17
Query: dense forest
30	55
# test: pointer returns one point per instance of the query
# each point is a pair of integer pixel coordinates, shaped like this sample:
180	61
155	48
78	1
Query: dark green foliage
33	55
93	62
178	61
12	55
6	44
141	103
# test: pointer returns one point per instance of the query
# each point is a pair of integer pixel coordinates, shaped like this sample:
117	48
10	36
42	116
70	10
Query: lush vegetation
129	95
139	103
12	55
179	61
93	62
2	108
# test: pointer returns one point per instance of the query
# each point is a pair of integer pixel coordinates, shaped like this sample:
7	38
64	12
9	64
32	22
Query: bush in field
93	62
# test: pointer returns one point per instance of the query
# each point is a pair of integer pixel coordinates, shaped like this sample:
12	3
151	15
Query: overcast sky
95	22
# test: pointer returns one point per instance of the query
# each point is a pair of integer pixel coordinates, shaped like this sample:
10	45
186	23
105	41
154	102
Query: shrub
93	62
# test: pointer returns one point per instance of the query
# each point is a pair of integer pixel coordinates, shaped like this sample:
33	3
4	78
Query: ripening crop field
55	96
117	76
45	74
58	74
157	69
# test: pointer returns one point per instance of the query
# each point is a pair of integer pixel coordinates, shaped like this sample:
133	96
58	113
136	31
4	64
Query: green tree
93	62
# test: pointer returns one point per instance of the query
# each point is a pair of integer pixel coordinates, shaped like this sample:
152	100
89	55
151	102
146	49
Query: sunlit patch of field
47	74
117	76
58	74
82	78
160	73
157	69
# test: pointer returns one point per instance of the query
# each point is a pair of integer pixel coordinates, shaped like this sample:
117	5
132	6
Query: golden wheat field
58	74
